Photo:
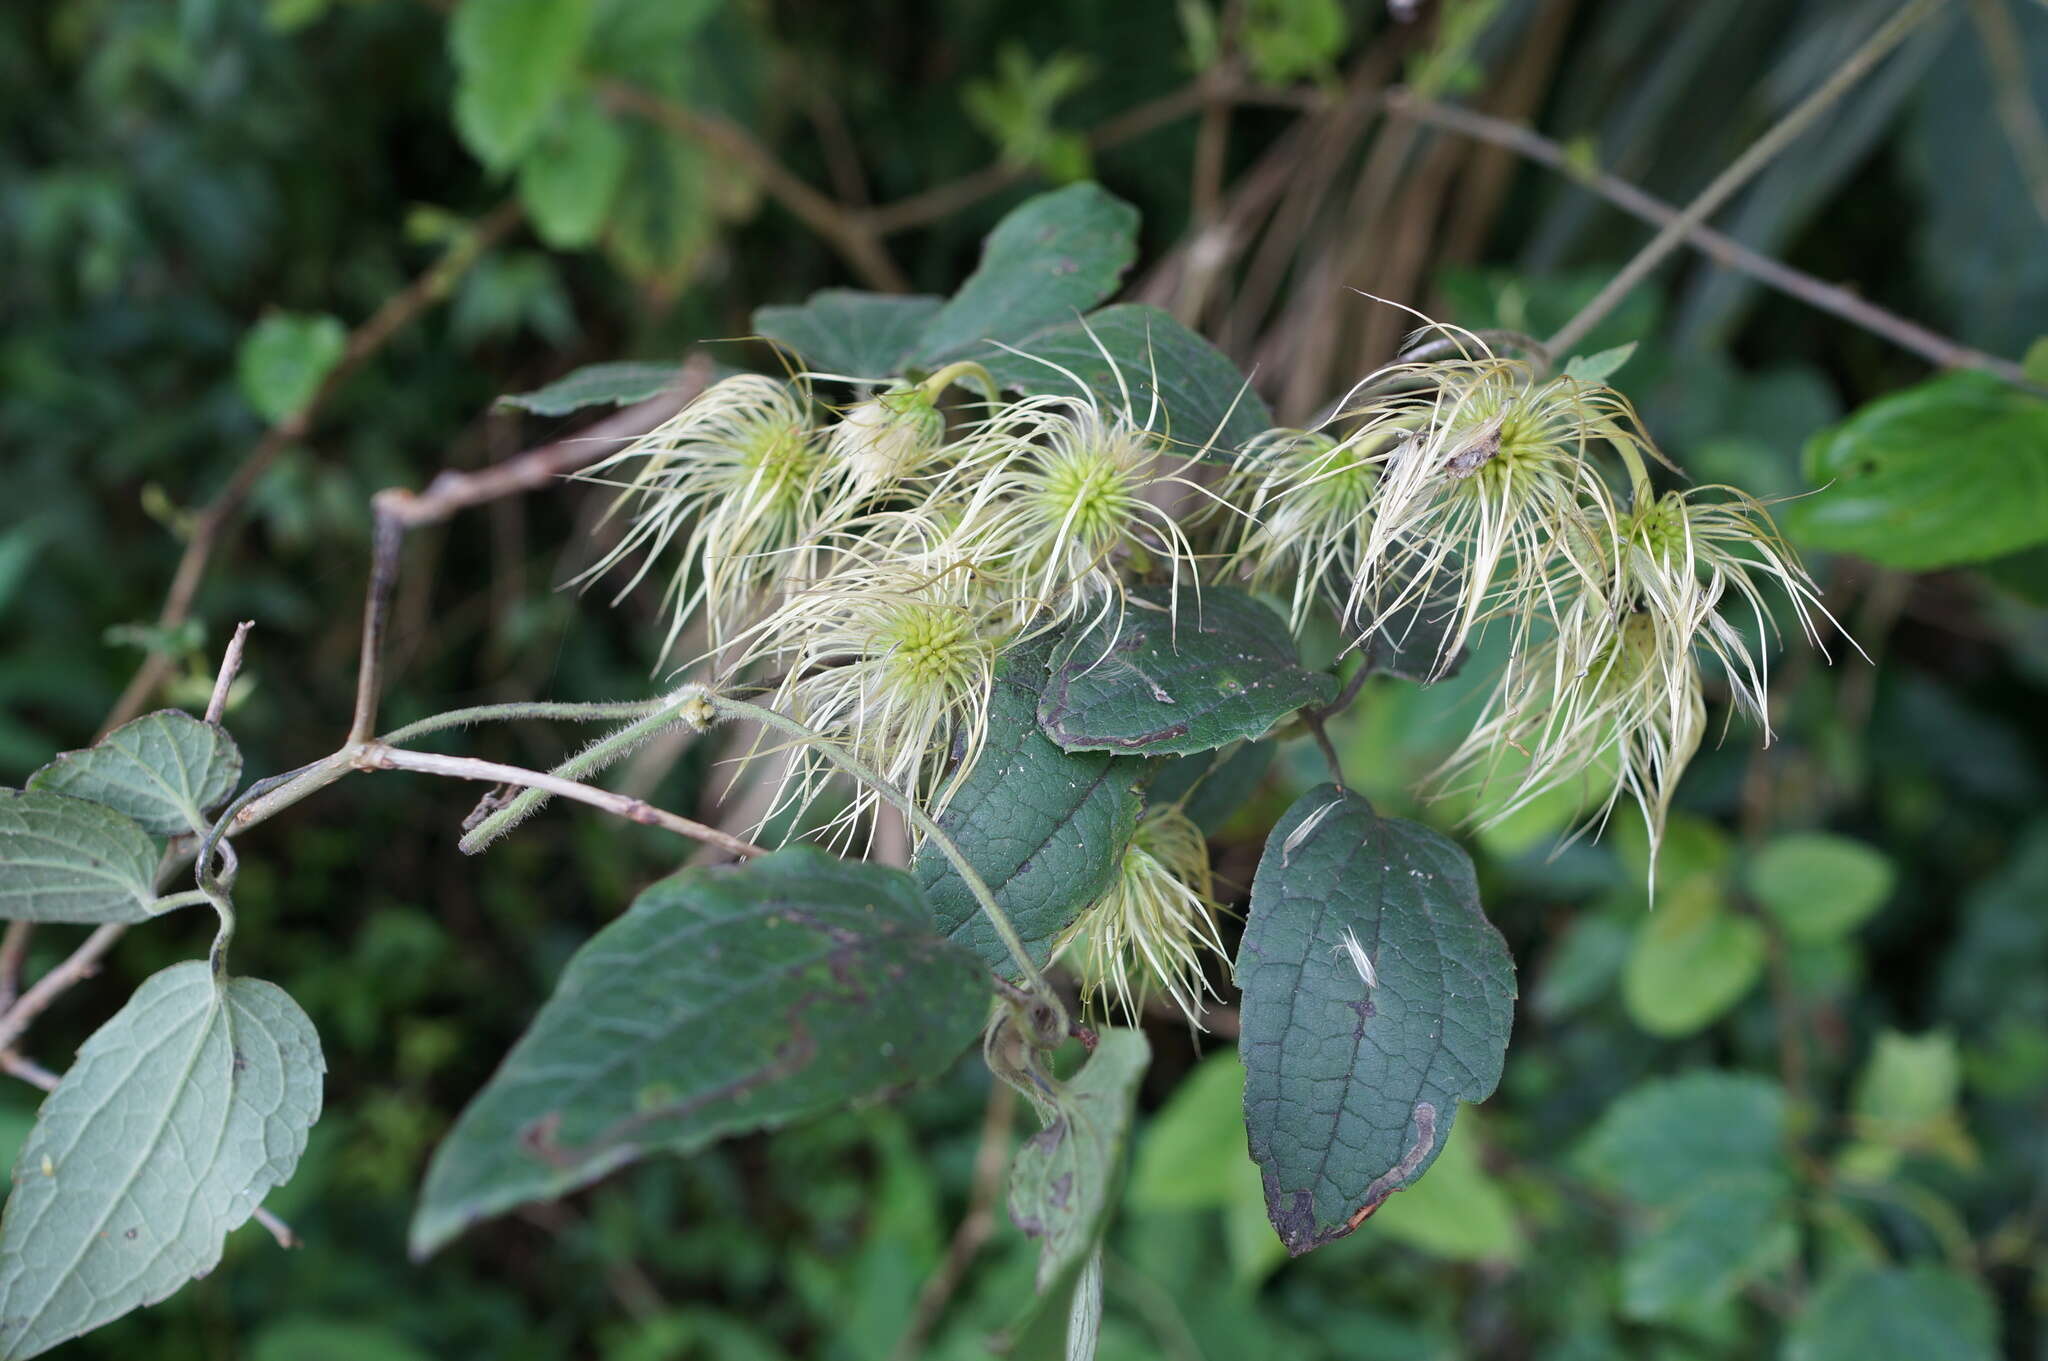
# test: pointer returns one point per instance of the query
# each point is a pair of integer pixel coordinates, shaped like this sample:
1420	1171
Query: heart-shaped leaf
1051	258
180	1114
165	770
850	334
66	860
1136	354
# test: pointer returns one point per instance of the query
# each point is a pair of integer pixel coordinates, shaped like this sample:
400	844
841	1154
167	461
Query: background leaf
513	60
165	770
1728	1231
615	384
67	860
570	178
1045	828
1052	257
853	334
723	1000
1820	886
1350	1091
1220	667
1661	1141
1896	1314
1692	960
1954	470
179	1115
285	357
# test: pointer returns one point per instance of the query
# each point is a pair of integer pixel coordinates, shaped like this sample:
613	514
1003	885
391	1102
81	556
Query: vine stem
1739	172
378	756
1724	250
859	769
684	706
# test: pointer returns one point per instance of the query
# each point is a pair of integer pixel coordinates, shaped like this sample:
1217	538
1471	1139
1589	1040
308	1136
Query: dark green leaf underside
1350	1089
1219	668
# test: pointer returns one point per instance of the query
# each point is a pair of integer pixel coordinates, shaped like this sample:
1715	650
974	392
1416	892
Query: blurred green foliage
1793	1109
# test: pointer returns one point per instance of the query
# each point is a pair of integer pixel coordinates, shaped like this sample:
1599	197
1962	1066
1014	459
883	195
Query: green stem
669	710
171	902
955	372
854	766
513	713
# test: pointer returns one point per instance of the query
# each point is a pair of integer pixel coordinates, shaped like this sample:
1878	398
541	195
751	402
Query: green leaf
1064	1180
1896	1314
1954	470
2035	362
616	384
1195	1144
851	334
666	215
513	60
1818	886
1599	367
1457	1212
1909	1081
1212	786
1289	39
724	1000
180	1114
1351	1089
1045	828
285	357
1137	356
1051	257
570	178
1905	1101
1219	667
1660	1141
1727	1232
1582	966
165	770
1693	959
68	860
1192	1157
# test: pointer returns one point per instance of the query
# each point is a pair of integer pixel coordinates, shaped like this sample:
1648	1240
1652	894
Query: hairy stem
616	746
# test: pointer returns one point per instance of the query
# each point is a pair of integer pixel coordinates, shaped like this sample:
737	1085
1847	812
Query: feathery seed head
735	476
1306	501
1144	937
1490	503
887	438
893	659
1067	494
